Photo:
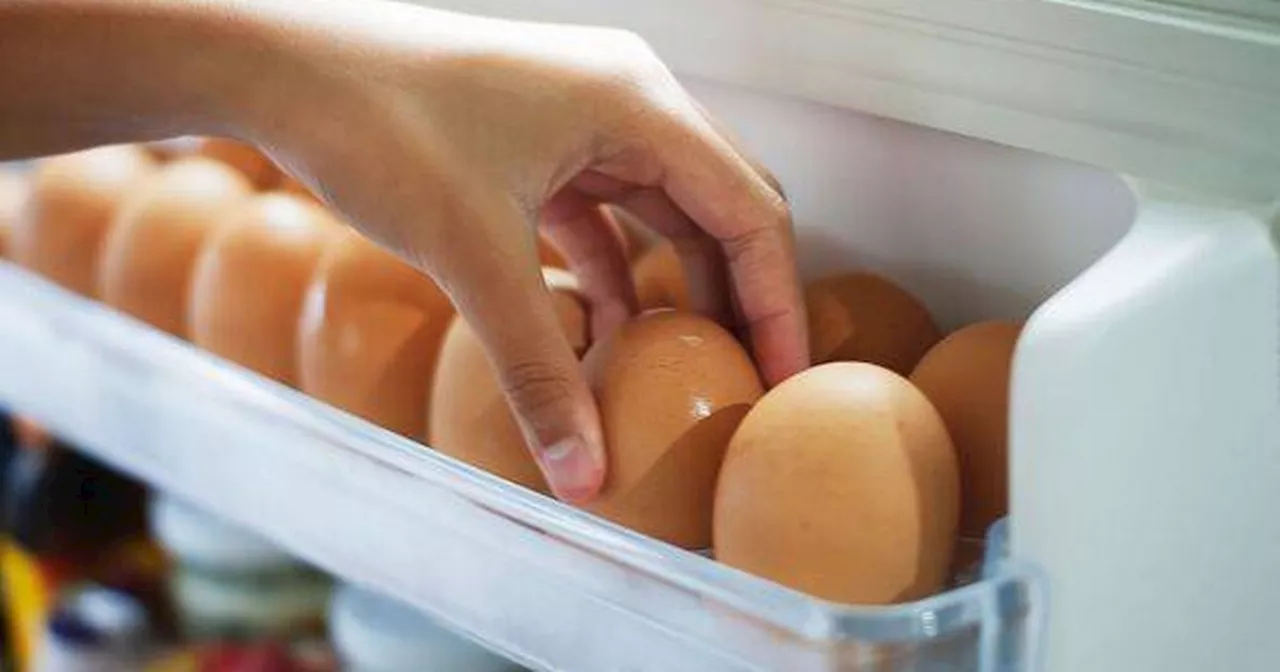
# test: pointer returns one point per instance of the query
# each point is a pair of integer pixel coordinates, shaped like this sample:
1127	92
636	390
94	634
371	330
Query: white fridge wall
1146	446
977	230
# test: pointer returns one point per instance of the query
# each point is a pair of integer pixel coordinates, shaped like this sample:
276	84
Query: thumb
527	346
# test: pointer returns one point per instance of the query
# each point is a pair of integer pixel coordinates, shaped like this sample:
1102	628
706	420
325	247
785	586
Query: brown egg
862	317
672	387
172	149
13	194
69	210
570	307
966	376
370	332
469	416
660	280
291	185
150	253
841	482
252	163
967	559
250	281
548	255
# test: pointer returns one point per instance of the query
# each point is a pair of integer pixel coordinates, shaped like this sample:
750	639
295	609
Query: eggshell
370	333
257	167
13	194
841	482
570	307
966	376
69	210
469	416
250	281
863	317
659	279
150	253
671	387
549	255
172	149
292	185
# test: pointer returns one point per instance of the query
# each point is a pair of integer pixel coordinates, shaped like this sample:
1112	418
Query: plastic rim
373	633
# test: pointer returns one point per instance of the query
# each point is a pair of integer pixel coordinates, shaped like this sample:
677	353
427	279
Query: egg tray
545	584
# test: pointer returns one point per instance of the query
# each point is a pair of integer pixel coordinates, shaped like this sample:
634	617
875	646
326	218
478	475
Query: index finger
721	191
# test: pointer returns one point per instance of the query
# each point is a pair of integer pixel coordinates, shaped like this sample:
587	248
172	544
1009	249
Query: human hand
449	139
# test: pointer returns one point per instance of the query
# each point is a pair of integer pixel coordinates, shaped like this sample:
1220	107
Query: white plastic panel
1146	446
1163	90
978	230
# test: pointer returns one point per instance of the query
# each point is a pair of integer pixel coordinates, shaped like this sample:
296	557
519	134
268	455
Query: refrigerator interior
1102	264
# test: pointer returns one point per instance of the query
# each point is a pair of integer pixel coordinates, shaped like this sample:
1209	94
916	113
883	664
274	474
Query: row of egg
845	481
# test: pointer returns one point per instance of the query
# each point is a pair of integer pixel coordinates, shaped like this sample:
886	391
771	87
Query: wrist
255	71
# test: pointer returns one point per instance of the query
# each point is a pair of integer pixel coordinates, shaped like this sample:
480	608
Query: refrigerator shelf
549	586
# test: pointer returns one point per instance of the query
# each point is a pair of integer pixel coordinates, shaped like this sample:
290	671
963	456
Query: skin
448	139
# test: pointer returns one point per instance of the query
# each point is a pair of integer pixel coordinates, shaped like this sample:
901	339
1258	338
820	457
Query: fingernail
571	469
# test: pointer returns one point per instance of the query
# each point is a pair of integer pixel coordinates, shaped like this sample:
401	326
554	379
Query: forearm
75	73
83	72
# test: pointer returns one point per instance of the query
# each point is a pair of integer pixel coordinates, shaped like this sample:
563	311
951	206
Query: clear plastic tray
552	587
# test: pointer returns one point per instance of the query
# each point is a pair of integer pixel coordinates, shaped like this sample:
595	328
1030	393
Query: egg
549	256
250	281
671	388
469	416
257	167
841	482
570	306
966	376
370	333
150	252
13	193
659	279
862	317
70	208
292	185
172	149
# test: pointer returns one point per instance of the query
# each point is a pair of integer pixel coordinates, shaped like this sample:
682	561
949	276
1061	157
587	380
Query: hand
450	138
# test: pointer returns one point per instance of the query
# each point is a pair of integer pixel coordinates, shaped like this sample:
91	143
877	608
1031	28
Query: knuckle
744	244
757	248
535	387
776	185
777	212
633	75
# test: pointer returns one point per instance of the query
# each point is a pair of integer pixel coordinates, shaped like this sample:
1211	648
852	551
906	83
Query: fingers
732	138
700	255
497	287
720	190
580	228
